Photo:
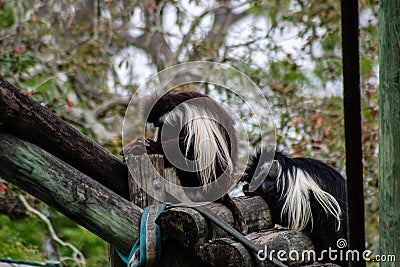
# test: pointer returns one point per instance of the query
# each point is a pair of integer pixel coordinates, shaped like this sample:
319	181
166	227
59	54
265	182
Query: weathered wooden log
26	118
71	192
152	178
291	247
189	227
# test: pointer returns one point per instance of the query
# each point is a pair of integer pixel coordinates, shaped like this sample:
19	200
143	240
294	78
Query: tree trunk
389	140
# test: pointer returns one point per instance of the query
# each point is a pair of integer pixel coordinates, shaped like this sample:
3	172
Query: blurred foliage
83	59
16	246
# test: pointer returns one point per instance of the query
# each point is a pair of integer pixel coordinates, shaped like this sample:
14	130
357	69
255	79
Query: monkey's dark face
295	193
270	192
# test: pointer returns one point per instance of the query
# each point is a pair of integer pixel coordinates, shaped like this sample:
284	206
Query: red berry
69	103
17	49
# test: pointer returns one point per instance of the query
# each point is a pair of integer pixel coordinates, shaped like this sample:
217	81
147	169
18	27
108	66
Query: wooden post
389	139
110	216
148	175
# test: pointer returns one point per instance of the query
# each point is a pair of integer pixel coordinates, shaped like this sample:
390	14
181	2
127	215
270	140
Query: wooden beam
189	227
228	252
71	192
151	175
26	118
214	246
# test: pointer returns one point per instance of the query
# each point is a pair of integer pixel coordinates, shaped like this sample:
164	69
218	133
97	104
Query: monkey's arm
143	145
237	214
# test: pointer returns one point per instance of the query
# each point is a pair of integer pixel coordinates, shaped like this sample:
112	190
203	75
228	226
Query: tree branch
223	19
88	120
77	255
116	101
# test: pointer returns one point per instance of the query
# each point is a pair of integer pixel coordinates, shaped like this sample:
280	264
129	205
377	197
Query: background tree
83	59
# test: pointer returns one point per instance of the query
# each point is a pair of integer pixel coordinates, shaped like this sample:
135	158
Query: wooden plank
29	120
71	192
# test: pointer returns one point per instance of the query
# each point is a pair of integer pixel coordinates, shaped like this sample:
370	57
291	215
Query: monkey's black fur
171	101
171	111
322	226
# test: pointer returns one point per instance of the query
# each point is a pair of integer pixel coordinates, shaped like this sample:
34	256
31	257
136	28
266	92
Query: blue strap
147	249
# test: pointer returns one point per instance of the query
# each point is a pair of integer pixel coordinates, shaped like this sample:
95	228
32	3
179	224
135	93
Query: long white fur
208	139
296	193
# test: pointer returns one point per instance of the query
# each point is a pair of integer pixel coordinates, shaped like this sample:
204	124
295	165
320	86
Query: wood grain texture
190	227
147	178
389	129
29	120
71	192
228	252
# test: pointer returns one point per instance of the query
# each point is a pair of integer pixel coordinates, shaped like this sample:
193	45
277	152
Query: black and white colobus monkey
303	194
205	134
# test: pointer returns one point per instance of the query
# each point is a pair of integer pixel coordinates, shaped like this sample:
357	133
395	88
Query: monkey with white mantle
303	194
195	126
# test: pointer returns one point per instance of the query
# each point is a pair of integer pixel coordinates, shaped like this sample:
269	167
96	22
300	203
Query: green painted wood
389	135
71	192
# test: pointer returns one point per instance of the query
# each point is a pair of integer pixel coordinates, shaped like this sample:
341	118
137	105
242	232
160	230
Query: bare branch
186	37
107	105
88	120
153	42
77	256
224	18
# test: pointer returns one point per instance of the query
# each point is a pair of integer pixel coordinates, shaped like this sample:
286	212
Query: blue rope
150	233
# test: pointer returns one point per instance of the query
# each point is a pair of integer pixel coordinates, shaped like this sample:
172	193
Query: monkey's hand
237	214
142	146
